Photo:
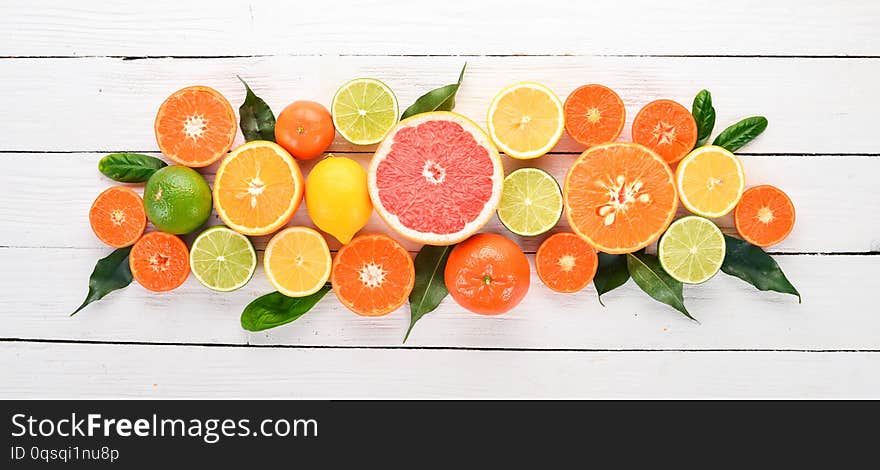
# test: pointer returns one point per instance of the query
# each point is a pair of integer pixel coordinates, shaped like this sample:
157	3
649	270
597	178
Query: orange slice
195	126
373	275
117	217
258	187
566	263
667	128
159	261
764	216
594	115
619	197
297	261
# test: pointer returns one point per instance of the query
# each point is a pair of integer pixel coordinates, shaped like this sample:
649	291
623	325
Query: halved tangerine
117	217
620	197
594	115
159	261
195	126
566	262
372	275
667	128
764	216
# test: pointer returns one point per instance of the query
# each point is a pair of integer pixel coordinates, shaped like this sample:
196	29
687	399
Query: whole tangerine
487	274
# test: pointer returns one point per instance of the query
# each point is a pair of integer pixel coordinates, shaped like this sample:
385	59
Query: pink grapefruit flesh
436	178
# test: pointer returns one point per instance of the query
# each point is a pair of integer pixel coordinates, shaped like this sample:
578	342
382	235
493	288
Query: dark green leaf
255	117
277	309
704	114
741	133
129	167
611	274
439	99
650	276
753	265
111	273
430	287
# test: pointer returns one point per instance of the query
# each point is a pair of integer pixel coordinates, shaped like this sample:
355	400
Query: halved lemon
297	261
525	120
258	187
710	181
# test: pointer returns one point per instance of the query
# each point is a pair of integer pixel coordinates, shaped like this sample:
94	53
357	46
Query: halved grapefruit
436	179
620	197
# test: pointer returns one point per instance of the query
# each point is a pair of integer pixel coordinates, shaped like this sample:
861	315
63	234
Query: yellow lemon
337	197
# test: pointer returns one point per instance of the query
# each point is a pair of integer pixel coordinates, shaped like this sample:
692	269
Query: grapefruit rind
625	249
440	239
554	139
294	202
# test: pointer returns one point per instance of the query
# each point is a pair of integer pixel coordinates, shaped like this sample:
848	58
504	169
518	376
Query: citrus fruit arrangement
436	178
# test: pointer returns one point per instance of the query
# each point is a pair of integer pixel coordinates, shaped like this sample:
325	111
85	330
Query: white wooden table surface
80	79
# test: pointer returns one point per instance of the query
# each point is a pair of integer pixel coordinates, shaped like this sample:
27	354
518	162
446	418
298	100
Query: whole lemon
337	197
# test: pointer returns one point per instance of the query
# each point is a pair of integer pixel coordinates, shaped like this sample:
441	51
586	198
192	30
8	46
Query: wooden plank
109	104
204	27
822	187
101	371
44	285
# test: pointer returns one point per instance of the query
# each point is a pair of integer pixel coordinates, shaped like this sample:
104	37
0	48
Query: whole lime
177	199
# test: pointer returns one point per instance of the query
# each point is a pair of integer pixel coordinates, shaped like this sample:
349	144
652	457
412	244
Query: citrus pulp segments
620	197
503	117
531	202
703	179
222	259
364	110
254	178
764	216
436	179
297	261
373	275
117	216
195	126
594	114
692	250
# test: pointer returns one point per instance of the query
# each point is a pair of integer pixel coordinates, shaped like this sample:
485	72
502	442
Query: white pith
471	227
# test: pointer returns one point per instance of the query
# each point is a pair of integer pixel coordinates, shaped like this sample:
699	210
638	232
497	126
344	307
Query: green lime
222	259
691	250
531	202
364	110
177	199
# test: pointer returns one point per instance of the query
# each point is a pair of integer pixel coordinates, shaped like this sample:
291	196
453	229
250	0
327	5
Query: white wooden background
80	79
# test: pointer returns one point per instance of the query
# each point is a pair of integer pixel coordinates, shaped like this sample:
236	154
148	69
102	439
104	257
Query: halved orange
667	128
195	126
372	275
619	197
258	187
297	261
764	215
566	262
594	115
159	261
117	217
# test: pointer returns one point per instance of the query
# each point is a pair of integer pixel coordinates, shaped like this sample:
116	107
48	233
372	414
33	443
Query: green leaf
704	114
129	167
611	274
751	264
439	99
277	309
741	133
650	276
111	273
430	287
255	117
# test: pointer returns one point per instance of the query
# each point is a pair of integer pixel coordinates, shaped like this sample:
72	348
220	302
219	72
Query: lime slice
691	250
364	110
222	259
531	202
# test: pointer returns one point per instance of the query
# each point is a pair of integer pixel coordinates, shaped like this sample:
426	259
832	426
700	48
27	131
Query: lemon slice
364	110
297	261
710	181
691	250
526	120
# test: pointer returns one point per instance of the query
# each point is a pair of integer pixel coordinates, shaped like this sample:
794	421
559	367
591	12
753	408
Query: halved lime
691	250
531	202
222	259
364	110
